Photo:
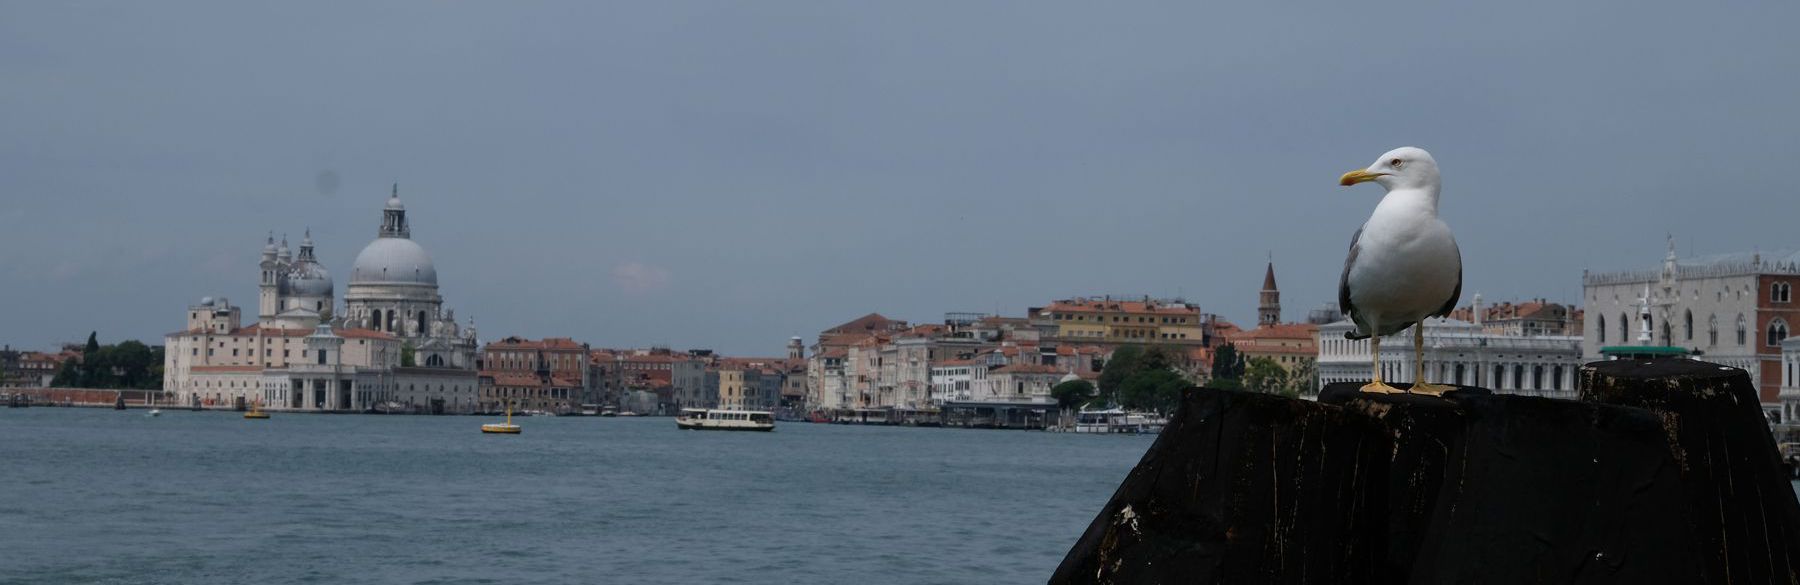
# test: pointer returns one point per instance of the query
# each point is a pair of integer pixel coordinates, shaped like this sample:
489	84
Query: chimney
1477	309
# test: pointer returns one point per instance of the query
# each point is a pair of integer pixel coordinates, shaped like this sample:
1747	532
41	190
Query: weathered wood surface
1739	502
1470	488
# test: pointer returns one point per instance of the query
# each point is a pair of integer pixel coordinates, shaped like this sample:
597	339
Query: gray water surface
100	496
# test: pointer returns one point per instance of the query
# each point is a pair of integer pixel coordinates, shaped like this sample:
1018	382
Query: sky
726	175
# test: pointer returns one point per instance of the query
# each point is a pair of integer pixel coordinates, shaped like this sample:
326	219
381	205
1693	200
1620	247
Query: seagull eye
1395	163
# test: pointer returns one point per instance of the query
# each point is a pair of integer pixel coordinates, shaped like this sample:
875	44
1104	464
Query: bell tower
269	289
1268	307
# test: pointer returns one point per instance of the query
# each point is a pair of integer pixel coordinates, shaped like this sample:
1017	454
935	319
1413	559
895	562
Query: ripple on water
202	498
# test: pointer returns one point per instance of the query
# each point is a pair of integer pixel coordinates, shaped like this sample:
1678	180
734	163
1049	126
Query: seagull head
1406	167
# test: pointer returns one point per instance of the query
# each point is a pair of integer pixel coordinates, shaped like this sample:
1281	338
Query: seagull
1403	265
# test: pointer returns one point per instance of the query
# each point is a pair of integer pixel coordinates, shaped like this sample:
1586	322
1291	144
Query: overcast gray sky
727	175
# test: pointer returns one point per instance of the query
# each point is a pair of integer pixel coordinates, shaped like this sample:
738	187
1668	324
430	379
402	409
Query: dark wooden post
1738	502
1470	488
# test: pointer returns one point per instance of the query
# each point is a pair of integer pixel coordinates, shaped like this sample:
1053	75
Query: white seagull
1404	265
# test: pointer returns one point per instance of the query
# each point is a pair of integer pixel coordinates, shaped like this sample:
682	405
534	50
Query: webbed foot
1380	388
1431	389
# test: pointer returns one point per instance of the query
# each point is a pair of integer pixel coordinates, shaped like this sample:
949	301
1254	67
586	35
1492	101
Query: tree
1121	365
1303	379
1157	390
1266	376
1073	393
96	364
406	355
1227	364
68	376
133	359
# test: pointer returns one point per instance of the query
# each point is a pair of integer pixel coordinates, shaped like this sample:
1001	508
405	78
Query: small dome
309	279
208	301
394	202
393	261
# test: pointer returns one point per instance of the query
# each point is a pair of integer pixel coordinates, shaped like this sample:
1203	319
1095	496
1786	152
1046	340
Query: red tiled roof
548	343
1110	306
1280	331
363	334
867	323
1028	369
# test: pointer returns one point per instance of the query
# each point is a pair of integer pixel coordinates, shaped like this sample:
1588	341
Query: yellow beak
1358	176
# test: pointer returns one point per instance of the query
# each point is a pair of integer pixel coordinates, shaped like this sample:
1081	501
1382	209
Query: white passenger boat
719	419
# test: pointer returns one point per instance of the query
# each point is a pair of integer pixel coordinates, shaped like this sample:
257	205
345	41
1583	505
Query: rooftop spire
393	217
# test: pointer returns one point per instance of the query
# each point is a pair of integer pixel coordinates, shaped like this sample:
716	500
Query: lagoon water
101	496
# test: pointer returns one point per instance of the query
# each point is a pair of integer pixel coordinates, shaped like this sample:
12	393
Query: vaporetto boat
719	419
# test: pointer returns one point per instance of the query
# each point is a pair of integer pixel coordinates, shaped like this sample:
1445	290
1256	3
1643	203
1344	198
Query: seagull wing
1450	305
1344	303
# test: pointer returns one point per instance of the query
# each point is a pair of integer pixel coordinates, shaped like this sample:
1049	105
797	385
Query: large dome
393	261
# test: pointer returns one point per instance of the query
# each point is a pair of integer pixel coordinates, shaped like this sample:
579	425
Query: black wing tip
1354	335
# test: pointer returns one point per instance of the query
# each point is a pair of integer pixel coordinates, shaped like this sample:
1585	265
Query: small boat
817	417
721	419
506	428
256	411
154	411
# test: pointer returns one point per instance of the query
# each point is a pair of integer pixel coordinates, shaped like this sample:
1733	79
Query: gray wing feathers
1450	305
1344	303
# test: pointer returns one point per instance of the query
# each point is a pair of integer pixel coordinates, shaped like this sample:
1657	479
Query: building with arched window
1748	294
1458	352
392	346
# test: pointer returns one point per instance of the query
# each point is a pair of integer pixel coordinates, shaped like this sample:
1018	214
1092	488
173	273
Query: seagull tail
1354	334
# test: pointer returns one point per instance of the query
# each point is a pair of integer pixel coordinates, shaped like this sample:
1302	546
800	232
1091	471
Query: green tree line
128	364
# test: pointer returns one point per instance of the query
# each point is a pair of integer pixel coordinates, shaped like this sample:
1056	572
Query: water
100	496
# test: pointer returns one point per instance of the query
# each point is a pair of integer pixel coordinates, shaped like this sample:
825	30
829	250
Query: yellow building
1108	320
731	388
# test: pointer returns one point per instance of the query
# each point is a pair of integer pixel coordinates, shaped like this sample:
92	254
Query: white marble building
1734	309
301	354
1457	352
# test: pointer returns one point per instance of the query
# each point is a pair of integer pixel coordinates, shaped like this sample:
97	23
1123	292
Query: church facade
390	347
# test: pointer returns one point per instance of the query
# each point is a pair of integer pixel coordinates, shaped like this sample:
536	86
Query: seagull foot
1431	389
1379	388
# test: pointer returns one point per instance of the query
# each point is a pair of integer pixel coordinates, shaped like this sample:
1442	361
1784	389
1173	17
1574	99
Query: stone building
1734	309
549	375
302	354
1790	380
1108	320
1457	352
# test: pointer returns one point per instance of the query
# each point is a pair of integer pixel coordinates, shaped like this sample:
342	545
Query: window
1780	292
1742	332
1624	328
1712	330
1602	329
1777	331
1687	318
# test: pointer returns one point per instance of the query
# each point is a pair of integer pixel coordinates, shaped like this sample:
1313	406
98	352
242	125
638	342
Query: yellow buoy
256	411
506	428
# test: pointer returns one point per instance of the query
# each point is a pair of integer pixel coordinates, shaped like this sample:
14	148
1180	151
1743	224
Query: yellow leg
1419	384
1375	384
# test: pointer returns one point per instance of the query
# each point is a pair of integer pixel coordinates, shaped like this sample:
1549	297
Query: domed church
393	347
394	289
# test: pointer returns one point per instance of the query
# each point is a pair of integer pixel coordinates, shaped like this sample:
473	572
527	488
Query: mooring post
1738	500
1659	475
